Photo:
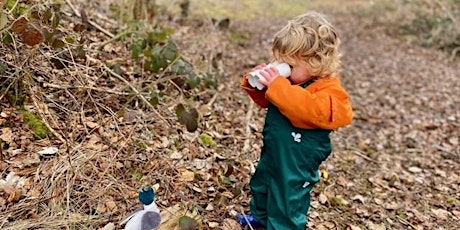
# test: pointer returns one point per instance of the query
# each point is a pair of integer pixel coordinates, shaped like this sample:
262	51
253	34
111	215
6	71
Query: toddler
303	109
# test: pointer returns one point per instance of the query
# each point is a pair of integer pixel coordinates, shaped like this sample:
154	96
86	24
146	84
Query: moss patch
37	125
240	38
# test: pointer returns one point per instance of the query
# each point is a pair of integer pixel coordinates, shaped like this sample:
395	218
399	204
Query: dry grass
112	142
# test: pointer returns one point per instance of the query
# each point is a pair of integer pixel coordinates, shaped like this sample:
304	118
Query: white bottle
147	217
254	76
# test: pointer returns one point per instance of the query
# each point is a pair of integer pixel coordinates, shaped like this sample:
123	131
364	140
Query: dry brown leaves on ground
396	167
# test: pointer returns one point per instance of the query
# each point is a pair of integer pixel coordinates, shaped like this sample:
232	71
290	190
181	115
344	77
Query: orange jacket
323	104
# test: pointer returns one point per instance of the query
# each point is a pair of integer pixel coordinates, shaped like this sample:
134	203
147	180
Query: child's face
299	73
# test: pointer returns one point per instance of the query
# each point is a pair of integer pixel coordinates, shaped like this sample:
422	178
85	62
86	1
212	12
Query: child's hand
261	66
268	76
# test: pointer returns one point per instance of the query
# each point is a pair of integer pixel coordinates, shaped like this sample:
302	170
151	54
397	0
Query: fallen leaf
171	216
32	35
109	226
187	223
441	213
231	224
353	227
213	225
12	180
188	176
48	151
373	226
19	26
324	174
12	193
415	170
322	198
7	135
342	181
92	125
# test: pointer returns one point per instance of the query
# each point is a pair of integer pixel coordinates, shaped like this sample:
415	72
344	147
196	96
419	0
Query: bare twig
45	111
247	221
114	38
447	12
85	87
454	53
1	151
138	94
14	7
405	222
360	153
97	26
440	148
214	98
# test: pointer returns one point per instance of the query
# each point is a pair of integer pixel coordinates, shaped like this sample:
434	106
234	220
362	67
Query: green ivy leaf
3	67
56	21
136	50
117	69
49	37
170	51
10	4
81	53
180	109
209	81
148	53
159	36
156	64
7	38
154	99
58	44
70	40
193	80
79	27
156	51
181	67
47	15
187	118
58	63
34	14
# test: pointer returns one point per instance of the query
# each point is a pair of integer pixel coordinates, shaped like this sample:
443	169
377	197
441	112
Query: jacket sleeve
258	96
327	108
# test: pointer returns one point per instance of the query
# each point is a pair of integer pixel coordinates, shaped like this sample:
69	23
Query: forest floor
396	167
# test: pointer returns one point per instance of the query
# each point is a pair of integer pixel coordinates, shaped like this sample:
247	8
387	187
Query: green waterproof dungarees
288	170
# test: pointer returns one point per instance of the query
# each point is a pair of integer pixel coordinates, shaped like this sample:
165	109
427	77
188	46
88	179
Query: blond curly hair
312	39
